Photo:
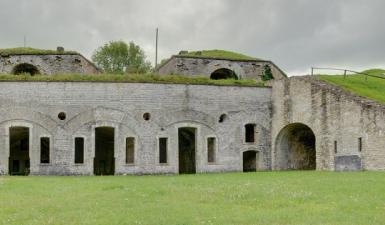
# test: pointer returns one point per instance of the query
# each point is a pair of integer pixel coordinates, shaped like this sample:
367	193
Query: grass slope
131	78
33	51
372	88
221	54
235	198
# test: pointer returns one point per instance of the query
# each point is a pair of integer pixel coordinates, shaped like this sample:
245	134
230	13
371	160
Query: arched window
25	68
223	73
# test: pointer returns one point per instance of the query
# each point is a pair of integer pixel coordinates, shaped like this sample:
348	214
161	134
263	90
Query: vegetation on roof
131	78
372	87
34	51
220	54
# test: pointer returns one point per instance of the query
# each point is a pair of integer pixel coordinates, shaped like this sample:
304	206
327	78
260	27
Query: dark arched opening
250	161
25	68
222	74
104	161
295	148
187	148
19	162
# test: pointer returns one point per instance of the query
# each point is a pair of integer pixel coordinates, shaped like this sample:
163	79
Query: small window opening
211	149
335	147
163	150
44	150
146	116
360	144
62	116
250	133
130	150
222	118
79	150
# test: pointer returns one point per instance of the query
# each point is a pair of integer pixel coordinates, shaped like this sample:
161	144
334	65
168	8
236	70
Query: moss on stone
216	54
33	51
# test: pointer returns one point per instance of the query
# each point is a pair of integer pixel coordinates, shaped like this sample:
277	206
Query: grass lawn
372	88
232	198
34	51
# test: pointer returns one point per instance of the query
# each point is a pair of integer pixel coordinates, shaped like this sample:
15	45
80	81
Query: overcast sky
295	34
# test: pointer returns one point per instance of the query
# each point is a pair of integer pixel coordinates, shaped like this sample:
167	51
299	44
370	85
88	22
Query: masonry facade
210	67
86	128
46	64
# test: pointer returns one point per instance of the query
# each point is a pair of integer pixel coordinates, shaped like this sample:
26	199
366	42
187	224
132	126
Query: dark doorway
295	148
19	163
187	145
250	161
104	161
222	74
25	68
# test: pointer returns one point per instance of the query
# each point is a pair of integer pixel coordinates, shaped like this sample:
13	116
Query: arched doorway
295	148
223	73
25	68
187	148
250	161
104	161
19	162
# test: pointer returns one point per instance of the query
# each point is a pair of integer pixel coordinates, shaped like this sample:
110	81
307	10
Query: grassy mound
131	78
218	54
372	87
33	51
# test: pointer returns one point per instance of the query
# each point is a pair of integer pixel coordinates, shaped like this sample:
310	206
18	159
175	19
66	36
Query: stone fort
119	128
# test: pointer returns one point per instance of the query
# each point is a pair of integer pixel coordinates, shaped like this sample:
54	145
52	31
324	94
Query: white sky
295	34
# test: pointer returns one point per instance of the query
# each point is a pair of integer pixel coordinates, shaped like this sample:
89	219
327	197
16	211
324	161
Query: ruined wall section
334	115
198	67
88	105
49	64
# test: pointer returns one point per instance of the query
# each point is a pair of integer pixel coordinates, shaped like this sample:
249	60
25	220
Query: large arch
295	148
223	73
25	68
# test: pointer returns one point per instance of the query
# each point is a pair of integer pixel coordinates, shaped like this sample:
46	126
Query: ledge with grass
131	78
34	51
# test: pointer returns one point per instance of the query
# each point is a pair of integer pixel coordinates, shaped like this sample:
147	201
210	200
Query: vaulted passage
223	73
19	163
295	148
187	147
104	161
25	68
250	161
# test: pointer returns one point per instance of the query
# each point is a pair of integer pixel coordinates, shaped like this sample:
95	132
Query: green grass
220	54
235	198
33	51
372	88
131	78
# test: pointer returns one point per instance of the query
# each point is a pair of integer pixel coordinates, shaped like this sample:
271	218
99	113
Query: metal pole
156	48
312	71
25	41
344	74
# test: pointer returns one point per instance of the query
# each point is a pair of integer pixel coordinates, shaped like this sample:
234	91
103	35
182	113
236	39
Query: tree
118	57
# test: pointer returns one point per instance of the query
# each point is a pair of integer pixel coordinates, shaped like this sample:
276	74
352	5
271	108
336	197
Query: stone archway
295	148
187	149
25	68
222	74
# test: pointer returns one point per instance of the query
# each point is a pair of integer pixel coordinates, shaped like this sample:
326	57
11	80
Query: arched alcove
295	148
25	68
222	74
